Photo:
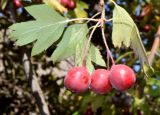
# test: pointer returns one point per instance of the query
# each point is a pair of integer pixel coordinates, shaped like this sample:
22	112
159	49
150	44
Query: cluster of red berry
69	4
120	77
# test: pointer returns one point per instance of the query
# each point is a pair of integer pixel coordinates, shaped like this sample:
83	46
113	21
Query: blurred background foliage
15	93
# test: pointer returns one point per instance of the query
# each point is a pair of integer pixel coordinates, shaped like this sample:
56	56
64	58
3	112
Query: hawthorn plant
72	37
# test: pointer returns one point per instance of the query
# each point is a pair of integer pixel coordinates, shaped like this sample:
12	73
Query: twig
103	34
155	47
37	92
86	49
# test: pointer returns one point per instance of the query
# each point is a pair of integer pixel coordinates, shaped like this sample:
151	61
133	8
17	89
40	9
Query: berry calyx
77	80
122	77
100	81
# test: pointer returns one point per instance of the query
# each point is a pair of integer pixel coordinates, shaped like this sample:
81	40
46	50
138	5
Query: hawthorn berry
146	28
64	2
77	79
100	81
71	5
17	3
121	77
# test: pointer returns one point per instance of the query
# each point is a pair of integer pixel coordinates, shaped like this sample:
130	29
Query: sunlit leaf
79	10
96	56
122	27
47	37
71	38
56	4
125	32
81	4
44	13
46	29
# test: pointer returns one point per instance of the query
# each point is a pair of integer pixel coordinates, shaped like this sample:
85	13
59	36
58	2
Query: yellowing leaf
79	10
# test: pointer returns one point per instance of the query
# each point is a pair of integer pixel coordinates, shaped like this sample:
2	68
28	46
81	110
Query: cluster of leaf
144	96
50	27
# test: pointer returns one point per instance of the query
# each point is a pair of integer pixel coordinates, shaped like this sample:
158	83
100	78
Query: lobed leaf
71	38
46	29
47	37
122	27
44	13
94	55
125	32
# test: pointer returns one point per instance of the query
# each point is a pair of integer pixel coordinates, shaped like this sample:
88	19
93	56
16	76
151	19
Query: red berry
89	112
122	77
100	81
17	3
71	4
147	28
77	80
64	2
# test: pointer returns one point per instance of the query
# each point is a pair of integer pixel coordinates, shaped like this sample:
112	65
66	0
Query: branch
155	46
37	92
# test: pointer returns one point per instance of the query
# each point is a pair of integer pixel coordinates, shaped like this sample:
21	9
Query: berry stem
94	16
107	48
103	34
86	49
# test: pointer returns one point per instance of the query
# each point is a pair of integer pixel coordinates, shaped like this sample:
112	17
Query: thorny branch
37	92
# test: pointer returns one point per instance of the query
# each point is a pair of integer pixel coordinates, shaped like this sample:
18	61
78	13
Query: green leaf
44	13
148	70
79	10
137	46
96	56
89	64
125	32
3	4
80	13
47	37
98	101
71	38
122	27
81	4
46	29
76	113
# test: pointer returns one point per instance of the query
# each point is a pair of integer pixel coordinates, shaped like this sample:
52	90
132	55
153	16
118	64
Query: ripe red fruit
147	28
71	4
17	3
122	77
64	2
100	81
77	79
